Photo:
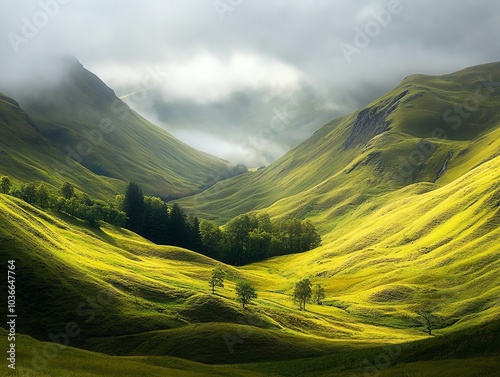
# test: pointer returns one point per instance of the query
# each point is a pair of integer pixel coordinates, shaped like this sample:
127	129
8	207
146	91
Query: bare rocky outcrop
372	121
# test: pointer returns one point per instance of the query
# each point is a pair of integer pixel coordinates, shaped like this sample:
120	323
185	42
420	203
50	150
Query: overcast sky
247	80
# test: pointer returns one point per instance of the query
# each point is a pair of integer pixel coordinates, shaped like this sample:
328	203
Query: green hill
127	296
398	236
26	155
428	129
82	118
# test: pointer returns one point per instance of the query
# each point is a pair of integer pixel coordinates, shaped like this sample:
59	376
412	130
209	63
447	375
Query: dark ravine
445	165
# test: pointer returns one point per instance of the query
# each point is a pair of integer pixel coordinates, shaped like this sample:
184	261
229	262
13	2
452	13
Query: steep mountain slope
428	129
25	155
87	123
410	219
417	247
116	284
130	297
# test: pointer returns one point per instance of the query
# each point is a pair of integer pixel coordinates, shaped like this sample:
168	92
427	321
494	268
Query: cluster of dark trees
153	219
245	239
249	238
65	200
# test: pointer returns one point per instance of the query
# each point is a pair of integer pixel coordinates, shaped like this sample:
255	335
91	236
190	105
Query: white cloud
218	70
203	78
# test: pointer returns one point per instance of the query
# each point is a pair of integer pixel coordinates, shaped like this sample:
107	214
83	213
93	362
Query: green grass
323	180
26	156
123	145
391	244
63	262
41	359
438	356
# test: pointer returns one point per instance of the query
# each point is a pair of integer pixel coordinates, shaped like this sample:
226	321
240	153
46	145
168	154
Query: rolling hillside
87	123
25	155
130	297
419	132
410	219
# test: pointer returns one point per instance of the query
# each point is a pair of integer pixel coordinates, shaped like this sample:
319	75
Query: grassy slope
73	362
79	271
64	262
391	244
25	155
438	247
346	162
41	359
135	149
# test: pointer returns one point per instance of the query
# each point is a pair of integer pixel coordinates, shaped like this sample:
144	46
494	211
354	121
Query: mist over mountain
362	239
191	64
83	119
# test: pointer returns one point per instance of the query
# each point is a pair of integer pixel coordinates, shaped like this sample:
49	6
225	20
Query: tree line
65	200
245	239
153	219
250	238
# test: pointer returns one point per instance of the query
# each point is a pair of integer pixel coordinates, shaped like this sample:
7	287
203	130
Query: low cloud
211	80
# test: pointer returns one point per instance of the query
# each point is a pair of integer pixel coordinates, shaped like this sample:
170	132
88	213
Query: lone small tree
302	292
245	292
428	320
318	294
217	278
5	185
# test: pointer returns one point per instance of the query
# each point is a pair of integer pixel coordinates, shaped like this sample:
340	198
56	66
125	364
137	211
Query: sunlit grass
391	245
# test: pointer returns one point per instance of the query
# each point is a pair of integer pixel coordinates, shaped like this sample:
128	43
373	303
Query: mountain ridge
410	221
85	121
420	135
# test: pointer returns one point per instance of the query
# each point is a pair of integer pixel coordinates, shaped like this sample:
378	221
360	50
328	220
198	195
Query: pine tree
155	220
178	226
133	206
194	235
